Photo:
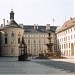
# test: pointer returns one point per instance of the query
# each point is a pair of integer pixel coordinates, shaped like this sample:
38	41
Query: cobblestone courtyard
9	65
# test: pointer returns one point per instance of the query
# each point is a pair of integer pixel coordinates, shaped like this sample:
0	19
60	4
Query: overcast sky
39	12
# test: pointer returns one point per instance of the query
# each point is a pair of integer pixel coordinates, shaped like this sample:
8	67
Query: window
68	37
39	41
28	41
5	40
68	31
34	51
12	34
18	40
62	39
62	46
71	36
74	29
69	45
28	35
28	50
39	47
71	30
44	41
58	41
74	35
32	35
34	41
66	45
58	47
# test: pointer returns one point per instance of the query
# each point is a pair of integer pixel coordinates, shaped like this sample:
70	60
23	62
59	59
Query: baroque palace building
66	38
35	37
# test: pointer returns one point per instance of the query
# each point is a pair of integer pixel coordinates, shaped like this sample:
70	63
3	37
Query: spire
11	14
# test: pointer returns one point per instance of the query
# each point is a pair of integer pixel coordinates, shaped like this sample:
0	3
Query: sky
41	12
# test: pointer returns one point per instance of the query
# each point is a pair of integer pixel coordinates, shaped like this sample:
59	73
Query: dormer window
65	25
73	21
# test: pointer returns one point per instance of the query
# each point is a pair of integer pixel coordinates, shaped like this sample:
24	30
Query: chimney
4	22
37	26
7	21
1	25
48	27
70	18
34	26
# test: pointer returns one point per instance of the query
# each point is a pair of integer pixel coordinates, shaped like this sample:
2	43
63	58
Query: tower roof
12	14
12	11
12	23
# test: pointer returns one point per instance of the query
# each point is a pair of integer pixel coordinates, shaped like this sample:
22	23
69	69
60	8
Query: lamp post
23	51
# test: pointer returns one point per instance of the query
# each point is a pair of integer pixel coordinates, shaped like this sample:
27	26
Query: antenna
65	16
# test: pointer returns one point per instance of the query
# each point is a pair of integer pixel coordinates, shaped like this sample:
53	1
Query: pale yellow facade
36	42
66	39
12	46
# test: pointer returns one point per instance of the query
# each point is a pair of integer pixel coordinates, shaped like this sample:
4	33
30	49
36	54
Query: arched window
5	40
39	41
28	41
34	41
18	40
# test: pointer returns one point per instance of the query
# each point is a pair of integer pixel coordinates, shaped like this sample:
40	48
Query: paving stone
12	66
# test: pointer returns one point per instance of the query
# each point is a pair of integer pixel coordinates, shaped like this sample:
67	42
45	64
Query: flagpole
53	21
65	16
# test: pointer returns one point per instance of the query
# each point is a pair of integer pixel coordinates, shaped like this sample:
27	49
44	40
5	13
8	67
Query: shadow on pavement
63	66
